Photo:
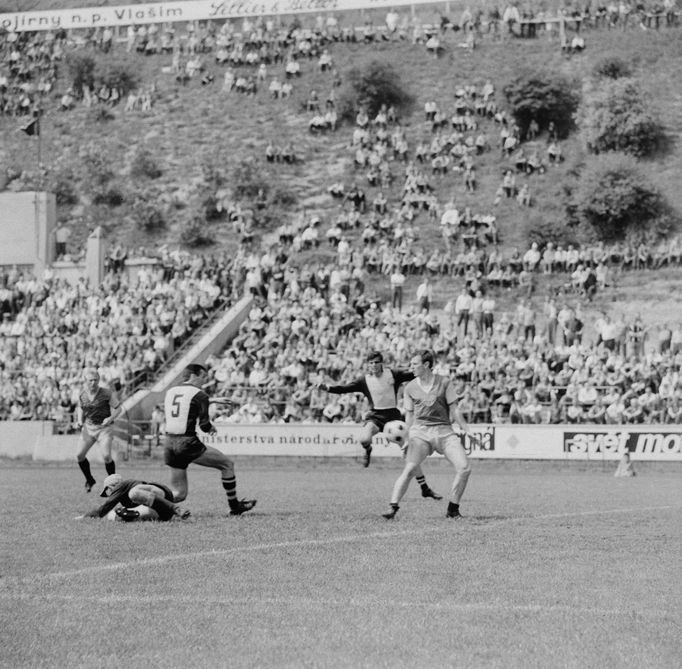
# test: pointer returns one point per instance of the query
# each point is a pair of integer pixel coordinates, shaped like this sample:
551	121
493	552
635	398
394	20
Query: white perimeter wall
511	442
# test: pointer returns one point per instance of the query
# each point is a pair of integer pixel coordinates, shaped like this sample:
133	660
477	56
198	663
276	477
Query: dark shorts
380	417
181	451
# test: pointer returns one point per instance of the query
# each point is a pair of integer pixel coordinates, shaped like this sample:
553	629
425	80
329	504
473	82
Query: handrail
146	378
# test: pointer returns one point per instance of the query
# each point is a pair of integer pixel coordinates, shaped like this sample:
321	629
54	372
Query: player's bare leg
85	443
214	458
178	483
106	441
417	452
455	453
368	432
153	497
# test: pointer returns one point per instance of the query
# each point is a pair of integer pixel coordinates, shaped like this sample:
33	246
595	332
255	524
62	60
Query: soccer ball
122	514
396	432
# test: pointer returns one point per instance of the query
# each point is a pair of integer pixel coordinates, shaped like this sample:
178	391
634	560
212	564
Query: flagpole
39	112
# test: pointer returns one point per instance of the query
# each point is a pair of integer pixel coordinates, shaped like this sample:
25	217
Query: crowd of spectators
311	323
28	69
540	364
262	52
127	327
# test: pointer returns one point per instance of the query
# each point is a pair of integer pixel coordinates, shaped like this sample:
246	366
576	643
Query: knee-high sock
230	486
110	467
164	508
84	464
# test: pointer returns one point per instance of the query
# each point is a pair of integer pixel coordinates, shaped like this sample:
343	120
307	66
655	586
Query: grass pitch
553	566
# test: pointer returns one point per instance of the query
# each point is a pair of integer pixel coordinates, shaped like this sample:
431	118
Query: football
396	432
122	514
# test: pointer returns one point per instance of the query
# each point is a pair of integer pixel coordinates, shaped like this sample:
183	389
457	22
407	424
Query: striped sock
421	480
230	486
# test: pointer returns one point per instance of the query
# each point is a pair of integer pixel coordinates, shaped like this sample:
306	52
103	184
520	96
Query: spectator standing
397	281
62	234
424	295
463	305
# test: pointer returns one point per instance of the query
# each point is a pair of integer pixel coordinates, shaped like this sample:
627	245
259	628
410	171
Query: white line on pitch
163	559
356	602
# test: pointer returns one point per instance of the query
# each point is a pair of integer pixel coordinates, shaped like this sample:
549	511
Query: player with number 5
186	408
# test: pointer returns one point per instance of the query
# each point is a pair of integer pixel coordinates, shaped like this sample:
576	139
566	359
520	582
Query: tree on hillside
545	97
370	86
613	199
611	67
81	68
86	68
616	117
119	74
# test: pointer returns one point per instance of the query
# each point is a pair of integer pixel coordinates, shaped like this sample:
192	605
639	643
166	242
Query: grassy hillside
188	126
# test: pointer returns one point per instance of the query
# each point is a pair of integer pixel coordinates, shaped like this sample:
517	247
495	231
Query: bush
545	97
86	68
101	114
64	189
212	208
147	215
375	84
611	67
614	199
195	234
111	196
616	117
213	175
81	68
145	165
249	180
97	166
541	229
122	75
283	197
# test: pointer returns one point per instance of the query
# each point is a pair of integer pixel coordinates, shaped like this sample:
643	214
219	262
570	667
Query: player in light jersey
185	409
380	387
430	409
98	408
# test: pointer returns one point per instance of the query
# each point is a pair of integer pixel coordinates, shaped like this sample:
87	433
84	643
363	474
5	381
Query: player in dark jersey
185	409
132	499
98	408
380	386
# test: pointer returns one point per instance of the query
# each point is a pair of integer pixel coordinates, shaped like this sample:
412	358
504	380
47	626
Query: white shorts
435	437
91	433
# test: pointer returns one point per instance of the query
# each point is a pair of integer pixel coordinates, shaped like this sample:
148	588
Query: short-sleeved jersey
432	407
98	408
185	407
381	391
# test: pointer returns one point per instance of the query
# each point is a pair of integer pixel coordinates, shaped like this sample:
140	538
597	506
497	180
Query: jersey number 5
175	412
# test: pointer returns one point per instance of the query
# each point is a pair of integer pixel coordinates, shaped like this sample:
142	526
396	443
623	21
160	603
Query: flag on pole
32	128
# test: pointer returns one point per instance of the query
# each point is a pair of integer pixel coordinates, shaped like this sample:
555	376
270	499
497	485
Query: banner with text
593	442
520	442
162	12
322	440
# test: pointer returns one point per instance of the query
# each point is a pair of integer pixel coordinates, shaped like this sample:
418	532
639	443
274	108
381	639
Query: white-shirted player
380	386
430	402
